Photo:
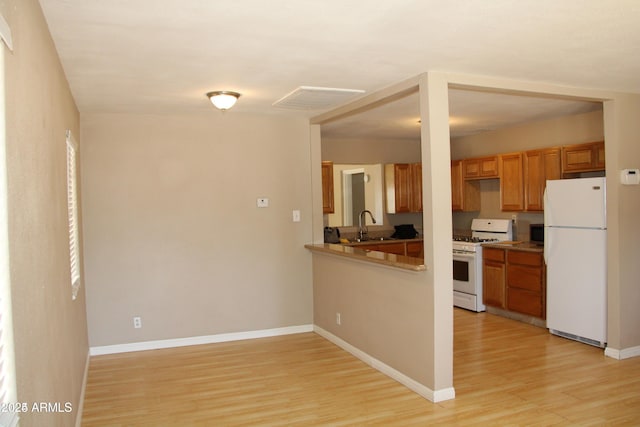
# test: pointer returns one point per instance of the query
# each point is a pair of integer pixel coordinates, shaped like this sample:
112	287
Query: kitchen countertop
355	253
515	245
387	240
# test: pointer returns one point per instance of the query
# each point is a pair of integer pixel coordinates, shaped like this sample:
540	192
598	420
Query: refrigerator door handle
547	245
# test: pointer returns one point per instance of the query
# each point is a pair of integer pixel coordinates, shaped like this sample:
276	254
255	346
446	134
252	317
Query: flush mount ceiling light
223	99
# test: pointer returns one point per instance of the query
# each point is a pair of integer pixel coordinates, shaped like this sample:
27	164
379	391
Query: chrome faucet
362	225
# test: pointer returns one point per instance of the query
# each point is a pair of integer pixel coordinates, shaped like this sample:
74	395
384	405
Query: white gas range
467	260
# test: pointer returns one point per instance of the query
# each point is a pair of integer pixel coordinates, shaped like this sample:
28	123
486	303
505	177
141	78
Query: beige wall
623	227
370	151
575	129
49	328
172	231
382	310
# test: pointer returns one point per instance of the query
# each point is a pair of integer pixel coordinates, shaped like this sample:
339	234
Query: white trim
424	391
82	392
625	353
206	339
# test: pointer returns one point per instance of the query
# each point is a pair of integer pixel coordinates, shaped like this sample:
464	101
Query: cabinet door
402	172
539	165
489	167
533	180
403	183
583	157
456	185
416	187
577	158
511	182
481	168
415	249
493	282
327	187
599	153
465	194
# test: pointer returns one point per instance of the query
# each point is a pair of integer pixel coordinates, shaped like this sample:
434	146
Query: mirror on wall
356	187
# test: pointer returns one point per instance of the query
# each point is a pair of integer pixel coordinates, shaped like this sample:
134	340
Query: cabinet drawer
524	277
533	259
392	248
493	254
525	302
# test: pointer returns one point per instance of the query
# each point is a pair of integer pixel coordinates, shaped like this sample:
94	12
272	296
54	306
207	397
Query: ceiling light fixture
223	99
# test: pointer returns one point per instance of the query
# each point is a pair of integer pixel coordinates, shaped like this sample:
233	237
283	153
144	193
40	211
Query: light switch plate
296	216
262	202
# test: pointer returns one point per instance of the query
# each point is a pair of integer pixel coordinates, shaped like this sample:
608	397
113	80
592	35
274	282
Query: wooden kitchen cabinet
327	187
526	283
481	168
392	248
587	157
408	248
415	249
493	277
465	194
514	280
511	182
415	201
403	182
539	166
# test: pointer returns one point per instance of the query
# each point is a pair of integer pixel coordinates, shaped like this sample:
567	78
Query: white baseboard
206	339
625	353
422	390
82	392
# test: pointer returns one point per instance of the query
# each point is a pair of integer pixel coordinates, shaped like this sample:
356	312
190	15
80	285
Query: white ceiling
162	56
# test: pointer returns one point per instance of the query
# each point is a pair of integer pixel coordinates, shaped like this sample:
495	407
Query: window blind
72	205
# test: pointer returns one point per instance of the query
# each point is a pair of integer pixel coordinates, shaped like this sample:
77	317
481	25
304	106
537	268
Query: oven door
464	272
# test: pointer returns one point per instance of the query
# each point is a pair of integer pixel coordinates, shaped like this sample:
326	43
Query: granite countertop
377	241
355	253
515	245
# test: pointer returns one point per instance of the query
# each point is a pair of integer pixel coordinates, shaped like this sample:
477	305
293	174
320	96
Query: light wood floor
505	373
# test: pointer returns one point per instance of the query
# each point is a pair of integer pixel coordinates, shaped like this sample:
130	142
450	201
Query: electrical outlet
338	319
137	322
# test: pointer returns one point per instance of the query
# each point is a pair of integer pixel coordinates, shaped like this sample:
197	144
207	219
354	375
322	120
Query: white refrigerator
575	251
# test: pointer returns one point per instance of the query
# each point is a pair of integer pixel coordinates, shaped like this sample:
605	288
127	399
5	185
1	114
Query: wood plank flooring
505	373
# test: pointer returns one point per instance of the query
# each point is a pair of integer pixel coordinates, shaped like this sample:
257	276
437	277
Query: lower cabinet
493	277
413	249
514	280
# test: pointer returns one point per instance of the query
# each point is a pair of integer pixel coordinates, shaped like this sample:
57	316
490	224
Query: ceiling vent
315	98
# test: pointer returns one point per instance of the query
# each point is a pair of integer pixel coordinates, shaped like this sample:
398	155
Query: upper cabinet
523	175
465	194
511	182
539	166
481	168
403	182
327	187
583	157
